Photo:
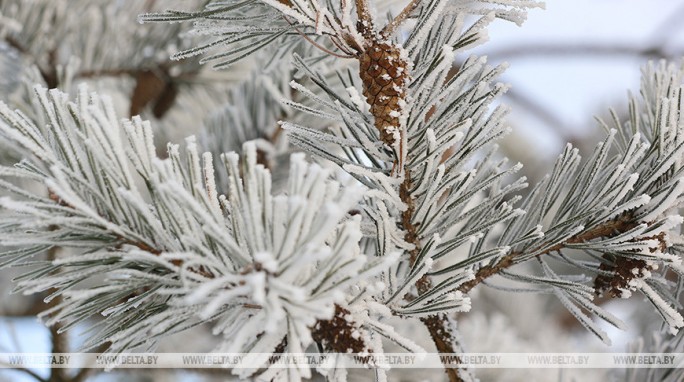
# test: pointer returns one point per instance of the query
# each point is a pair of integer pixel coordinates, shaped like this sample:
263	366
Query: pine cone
385	76
625	270
338	334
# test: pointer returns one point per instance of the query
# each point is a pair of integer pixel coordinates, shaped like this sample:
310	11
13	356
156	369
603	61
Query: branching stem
400	18
437	325
608	229
365	18
59	340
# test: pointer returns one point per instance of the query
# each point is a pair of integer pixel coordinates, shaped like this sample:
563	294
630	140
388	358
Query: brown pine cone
625	270
385	76
338	334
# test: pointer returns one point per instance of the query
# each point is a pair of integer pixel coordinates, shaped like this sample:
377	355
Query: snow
662	203
357	99
267	261
673	318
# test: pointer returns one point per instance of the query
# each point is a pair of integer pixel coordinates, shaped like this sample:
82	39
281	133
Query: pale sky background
574	88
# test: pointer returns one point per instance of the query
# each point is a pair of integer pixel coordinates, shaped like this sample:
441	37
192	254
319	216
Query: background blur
574	60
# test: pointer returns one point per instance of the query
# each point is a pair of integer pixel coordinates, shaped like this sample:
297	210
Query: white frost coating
210	183
267	261
673	318
664	167
421	34
639	201
431	198
301	18
662	202
278	263
626	187
302	89
221	249
380	309
387	183
583	318
671	222
18	206
431	139
474	238
448	54
411	280
391	334
356	98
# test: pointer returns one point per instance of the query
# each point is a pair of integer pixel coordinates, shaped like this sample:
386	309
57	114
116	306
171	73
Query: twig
59	340
437	325
314	43
12	42
604	230
365	18
444	341
400	18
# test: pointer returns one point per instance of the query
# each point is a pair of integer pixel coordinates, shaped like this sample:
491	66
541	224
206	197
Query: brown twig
437	325
365	17
400	18
59	340
314	43
16	45
608	229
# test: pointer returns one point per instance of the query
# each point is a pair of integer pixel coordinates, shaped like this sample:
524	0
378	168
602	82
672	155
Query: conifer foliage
402	206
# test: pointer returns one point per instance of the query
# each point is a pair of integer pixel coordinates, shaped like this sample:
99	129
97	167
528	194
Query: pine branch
438	326
203	249
395	134
609	229
324	262
59	340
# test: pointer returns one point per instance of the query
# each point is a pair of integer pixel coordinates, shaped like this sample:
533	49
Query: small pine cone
385	75
338	334
624	271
